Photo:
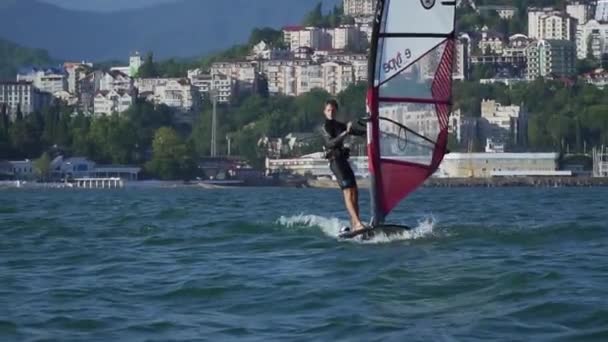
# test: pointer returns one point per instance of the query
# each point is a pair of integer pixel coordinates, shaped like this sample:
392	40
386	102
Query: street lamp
213	95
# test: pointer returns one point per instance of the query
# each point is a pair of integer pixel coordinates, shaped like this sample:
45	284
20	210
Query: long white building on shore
454	165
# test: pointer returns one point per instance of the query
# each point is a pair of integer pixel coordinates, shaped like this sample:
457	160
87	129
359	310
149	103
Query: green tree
80	134
5	142
172	158
268	35
42	166
148	68
315	17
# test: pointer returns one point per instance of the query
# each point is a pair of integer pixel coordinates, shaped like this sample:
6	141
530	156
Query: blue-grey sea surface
265	264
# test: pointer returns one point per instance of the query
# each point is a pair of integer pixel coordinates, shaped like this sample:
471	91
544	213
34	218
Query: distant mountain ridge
13	57
181	29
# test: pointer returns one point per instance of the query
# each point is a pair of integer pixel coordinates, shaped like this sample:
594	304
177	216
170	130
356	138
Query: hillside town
334	58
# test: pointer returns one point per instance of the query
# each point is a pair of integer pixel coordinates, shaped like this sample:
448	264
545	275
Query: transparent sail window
408	132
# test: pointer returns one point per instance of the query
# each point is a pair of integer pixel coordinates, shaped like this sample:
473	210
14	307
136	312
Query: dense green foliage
13	56
172	157
256	116
268	35
562	117
333	18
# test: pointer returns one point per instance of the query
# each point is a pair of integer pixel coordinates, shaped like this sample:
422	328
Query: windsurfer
334	133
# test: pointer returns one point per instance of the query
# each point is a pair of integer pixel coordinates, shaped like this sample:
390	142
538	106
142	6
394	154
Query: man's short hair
333	103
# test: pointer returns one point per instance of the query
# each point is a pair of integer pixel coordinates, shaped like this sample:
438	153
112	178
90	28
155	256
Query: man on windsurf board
334	133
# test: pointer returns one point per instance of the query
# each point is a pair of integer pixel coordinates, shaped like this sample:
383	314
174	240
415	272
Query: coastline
547	182
364	183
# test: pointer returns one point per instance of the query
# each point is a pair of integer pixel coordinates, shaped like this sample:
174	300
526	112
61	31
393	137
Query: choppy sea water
513	264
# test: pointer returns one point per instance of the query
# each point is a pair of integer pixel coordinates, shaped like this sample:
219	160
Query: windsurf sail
409	97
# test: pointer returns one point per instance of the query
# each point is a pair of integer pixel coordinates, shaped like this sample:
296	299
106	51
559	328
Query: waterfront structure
22	169
454	165
99	183
83	168
600	162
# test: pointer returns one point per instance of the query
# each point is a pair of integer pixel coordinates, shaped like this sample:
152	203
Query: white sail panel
419	16
397	54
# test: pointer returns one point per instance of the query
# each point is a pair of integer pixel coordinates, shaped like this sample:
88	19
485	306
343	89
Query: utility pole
229	141
213	94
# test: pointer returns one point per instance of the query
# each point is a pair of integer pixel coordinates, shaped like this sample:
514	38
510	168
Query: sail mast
373	129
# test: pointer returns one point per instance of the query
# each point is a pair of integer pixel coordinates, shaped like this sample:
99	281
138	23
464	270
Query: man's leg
350	197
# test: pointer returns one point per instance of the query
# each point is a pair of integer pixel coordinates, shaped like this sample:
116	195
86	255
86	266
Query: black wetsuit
334	133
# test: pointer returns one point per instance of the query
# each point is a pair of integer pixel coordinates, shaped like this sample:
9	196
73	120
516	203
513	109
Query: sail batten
409	98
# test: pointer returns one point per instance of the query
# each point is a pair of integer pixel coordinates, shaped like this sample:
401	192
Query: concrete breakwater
487	182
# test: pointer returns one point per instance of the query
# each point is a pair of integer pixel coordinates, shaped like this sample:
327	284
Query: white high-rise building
76	72
311	37
601	11
205	83
591	37
359	8
551	58
51	80
244	72
346	36
579	11
22	96
502	124
309	77
544	24
461	58
337	76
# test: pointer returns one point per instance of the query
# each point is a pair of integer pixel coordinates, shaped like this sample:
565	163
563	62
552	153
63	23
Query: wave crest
331	226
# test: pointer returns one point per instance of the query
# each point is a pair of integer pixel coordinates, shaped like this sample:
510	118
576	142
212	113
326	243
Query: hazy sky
105	5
